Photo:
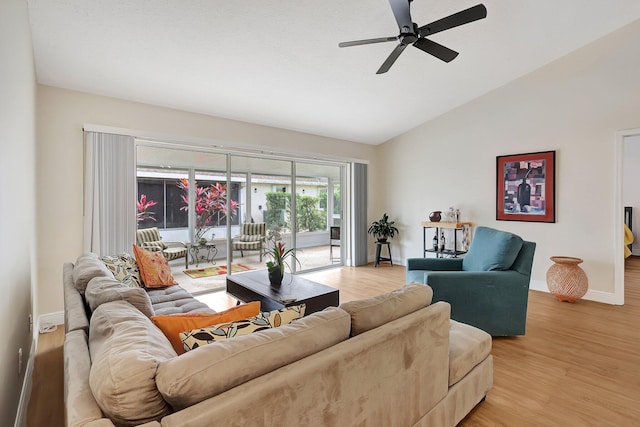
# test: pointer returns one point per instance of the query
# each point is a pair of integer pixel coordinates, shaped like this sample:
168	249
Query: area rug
197	273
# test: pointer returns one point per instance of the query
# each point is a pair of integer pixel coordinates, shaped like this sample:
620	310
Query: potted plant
383	228
210	207
276	267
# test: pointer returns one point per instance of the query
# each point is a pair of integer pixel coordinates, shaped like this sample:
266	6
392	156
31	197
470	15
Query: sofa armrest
434	264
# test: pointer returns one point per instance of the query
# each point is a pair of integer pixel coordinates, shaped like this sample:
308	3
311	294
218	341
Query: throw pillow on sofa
87	267
126	349
154	268
269	319
171	325
101	290
124	269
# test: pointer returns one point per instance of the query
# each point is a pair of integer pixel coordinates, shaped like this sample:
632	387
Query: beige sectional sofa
392	360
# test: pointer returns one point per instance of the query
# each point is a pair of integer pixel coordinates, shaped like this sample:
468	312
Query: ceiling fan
410	33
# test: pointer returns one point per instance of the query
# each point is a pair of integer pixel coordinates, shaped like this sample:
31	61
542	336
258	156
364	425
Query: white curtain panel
109	193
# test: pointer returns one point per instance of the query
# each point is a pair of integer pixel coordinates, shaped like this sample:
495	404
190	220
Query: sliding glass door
265	198
318	208
219	204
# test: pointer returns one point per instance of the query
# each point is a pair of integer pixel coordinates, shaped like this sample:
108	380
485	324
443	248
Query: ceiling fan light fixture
411	34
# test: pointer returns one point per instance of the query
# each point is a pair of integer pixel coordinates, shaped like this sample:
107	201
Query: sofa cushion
126	349
269	319
87	267
175	300
171	325
124	269
369	313
468	346
212	369
491	250
101	290
154	268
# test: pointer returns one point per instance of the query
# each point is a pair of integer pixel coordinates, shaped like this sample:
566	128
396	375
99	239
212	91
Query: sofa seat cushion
468	346
101	290
174	299
87	267
369	313
215	368
126	349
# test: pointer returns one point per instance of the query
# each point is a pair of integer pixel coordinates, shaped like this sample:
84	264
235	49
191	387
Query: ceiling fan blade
436	49
367	41
402	14
391	58
463	17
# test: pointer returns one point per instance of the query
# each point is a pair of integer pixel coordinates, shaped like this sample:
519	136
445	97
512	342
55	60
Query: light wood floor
578	365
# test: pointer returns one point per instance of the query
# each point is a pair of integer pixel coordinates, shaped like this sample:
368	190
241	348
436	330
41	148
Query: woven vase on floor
566	280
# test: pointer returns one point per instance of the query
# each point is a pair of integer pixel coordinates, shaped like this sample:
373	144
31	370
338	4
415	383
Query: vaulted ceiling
277	63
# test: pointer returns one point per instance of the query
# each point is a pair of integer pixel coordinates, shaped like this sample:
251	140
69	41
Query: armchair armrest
474	281
176	244
494	301
434	264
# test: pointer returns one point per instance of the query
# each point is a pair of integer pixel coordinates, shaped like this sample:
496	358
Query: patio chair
252	238
149	239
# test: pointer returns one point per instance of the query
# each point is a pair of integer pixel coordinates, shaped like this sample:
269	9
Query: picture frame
525	187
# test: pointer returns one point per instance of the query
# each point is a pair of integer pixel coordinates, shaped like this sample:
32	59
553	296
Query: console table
464	227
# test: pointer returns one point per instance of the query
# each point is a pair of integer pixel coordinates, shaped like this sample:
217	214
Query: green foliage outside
308	217
277	206
322	197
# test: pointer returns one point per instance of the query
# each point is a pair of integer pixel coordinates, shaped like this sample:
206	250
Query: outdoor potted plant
279	256
383	228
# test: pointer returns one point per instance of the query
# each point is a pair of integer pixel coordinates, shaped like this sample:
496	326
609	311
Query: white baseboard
50	319
21	418
591	295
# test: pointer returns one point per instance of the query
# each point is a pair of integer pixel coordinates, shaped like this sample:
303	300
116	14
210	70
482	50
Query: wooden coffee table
295	290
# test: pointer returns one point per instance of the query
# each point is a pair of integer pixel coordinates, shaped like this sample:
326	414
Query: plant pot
382	239
202	241
275	277
566	280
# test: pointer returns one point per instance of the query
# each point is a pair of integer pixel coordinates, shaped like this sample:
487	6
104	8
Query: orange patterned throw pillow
172	324
154	268
269	319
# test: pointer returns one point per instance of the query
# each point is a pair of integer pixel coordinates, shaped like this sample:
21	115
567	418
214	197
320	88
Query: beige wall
17	199
61	116
574	106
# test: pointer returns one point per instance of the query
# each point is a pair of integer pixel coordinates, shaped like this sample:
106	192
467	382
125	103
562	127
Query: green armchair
489	287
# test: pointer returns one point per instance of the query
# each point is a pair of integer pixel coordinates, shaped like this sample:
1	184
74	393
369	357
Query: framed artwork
525	187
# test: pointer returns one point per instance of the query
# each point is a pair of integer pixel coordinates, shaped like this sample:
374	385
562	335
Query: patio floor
310	258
